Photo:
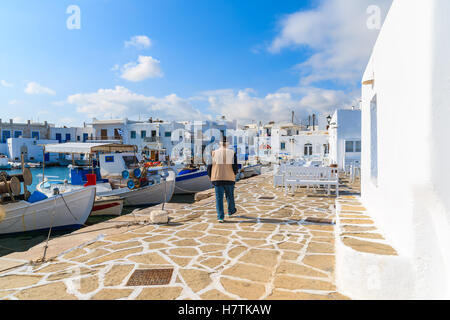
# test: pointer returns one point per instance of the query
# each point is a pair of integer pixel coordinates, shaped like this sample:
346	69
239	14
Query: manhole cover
150	277
266	198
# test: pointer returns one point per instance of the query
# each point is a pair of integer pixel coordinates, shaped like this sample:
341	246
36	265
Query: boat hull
145	196
108	206
70	210
251	171
192	183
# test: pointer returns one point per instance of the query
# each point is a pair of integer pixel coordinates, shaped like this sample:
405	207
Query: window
35	135
133	134
78	138
17	134
143	134
59	137
68	137
283	146
353	146
168	134
308	151
109	159
5	136
348	146
85	137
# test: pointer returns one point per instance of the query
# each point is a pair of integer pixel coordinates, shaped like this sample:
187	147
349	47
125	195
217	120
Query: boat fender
130	184
137	173
125	174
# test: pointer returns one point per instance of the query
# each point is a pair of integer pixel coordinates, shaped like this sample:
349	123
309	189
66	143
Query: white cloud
35	88
6	84
121	102
245	105
140	42
337	32
67	121
144	68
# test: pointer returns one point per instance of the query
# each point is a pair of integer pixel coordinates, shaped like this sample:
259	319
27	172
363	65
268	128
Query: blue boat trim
191	176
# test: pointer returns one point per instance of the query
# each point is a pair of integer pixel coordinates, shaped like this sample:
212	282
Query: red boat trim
106	206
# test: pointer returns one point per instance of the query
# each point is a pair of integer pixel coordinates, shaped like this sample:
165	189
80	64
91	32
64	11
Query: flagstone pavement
278	247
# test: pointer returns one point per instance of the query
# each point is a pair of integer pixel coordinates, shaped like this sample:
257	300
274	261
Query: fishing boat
119	178
4	164
191	180
34	212
251	170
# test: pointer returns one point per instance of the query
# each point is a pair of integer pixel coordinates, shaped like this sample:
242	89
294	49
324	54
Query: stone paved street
278	247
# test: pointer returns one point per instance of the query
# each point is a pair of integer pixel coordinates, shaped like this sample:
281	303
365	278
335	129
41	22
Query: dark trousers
228	190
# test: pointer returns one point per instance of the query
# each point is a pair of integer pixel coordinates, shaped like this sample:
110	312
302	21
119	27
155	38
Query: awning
88	148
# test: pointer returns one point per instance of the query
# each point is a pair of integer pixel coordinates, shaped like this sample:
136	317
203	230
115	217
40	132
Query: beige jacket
222	165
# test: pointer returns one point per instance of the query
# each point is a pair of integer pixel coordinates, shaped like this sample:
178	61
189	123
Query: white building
345	137
405	133
72	134
291	141
31	149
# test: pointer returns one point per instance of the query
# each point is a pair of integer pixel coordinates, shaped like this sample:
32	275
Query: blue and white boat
192	180
4	164
143	187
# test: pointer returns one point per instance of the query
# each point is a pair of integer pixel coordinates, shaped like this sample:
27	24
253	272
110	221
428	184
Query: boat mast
43	164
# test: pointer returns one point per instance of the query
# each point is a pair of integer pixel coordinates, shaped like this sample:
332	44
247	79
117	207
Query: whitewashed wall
345	125
410	197
33	147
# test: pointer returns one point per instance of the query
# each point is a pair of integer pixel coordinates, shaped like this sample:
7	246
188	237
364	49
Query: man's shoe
221	221
232	214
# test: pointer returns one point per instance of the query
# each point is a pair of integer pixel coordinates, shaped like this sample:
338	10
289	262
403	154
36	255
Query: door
59	137
104	134
24	152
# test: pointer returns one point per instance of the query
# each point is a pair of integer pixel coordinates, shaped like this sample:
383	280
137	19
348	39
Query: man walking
222	173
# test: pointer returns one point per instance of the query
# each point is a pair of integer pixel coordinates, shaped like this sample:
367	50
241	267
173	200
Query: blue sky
247	60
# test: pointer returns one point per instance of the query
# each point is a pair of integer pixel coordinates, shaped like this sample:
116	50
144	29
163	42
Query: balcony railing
152	139
104	138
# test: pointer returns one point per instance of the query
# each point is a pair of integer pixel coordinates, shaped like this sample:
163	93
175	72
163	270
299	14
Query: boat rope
49	233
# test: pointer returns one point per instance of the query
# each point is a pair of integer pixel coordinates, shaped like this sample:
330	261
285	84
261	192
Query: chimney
309	122
0	121
293	114
28	122
314	121
45	123
11	121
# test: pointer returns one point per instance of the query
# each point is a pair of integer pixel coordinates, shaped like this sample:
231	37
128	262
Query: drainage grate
150	277
266	198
